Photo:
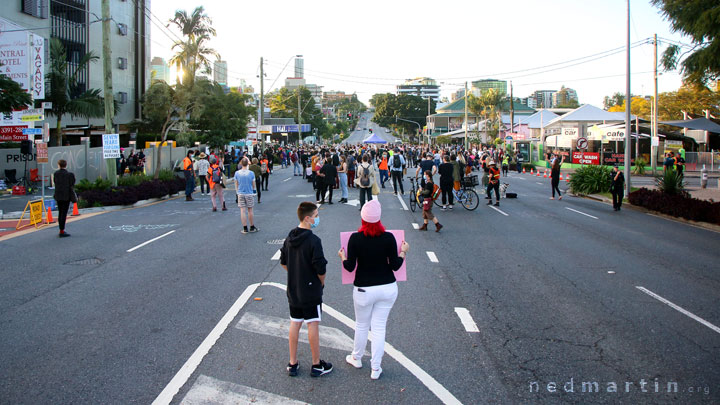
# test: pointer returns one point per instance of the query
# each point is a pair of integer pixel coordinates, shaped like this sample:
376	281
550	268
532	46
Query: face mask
316	223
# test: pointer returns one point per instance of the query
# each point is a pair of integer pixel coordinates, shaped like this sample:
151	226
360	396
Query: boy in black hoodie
303	259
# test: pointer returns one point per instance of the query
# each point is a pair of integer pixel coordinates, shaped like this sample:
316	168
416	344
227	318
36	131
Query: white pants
372	308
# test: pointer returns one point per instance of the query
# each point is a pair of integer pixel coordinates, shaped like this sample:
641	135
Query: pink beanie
371	211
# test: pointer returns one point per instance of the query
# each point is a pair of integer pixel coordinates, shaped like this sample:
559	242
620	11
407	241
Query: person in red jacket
493	183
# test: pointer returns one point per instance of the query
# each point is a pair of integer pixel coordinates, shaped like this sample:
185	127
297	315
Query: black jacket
64	186
376	259
302	253
330	172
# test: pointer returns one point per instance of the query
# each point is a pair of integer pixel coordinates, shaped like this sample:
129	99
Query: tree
639	106
12	96
192	53
616	99
161	103
488	105
697	19
66	93
691	99
218	117
284	104
405	106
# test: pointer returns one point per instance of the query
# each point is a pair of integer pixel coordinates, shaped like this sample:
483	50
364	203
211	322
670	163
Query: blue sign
508	138
32	131
290	128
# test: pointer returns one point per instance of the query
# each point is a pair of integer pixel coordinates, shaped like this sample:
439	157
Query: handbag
375	188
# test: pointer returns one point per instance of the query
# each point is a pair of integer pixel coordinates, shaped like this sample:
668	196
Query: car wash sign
22	57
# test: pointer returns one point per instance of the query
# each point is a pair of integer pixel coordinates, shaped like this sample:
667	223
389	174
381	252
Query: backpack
216	175
263	167
365	177
397	163
436	192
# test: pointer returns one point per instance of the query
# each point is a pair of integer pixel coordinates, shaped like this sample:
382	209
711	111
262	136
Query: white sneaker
351	360
375	374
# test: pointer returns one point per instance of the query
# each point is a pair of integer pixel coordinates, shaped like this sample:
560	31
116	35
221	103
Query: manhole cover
276	242
86	262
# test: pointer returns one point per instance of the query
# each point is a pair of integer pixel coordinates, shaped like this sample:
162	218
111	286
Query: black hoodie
302	253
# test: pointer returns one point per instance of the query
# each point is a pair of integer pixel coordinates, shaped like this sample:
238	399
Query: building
74	24
479	87
331	96
299	67
457	95
292	83
220	72
159	69
422	86
565	97
544	98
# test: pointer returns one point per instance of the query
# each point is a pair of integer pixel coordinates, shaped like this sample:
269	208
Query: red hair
371	229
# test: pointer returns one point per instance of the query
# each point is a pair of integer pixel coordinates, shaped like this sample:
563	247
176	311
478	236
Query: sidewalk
693	174
14	203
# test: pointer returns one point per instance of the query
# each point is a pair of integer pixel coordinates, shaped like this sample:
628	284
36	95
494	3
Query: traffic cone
75	210
561	176
532	171
523	170
545	175
567	179
49	219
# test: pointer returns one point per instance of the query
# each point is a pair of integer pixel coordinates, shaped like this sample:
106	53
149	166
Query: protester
424	166
189	171
397	166
365	179
343	178
255	168
383	168
493	183
303	259
318	182
446	183
296	163
375	254
201	168
352	163
215	184
505	165
328	173
245	185
427	193
555	177
64	182
265	171
617	187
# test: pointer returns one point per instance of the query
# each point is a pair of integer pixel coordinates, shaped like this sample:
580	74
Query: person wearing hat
617	187
493	183
201	168
372	253
216	186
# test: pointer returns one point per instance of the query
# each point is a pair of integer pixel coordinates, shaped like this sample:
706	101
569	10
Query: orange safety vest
494	175
383	165
210	175
187	164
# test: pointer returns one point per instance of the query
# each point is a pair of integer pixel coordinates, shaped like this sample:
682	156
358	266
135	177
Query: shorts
311	313
246	200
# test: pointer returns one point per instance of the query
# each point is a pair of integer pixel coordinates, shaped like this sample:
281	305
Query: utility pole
427	121
512	109
628	100
261	108
466	116
654	139
107	85
300	116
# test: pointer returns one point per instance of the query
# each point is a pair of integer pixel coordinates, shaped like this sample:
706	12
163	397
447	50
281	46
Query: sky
370	47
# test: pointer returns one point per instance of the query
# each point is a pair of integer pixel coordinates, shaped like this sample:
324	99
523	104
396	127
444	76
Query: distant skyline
371	47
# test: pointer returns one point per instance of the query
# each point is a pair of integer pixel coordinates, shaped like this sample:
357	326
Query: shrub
670	183
677	205
98	184
133	180
528	166
591	180
639	166
130	194
167	175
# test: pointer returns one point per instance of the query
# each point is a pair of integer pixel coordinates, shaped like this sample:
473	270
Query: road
361	131
561	292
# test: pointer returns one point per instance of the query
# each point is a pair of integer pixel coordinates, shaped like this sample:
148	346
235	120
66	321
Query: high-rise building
456	95
159	69
565	97
422	86
481	86
220	72
544	98
299	67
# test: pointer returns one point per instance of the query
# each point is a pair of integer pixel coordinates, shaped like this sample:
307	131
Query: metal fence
694	161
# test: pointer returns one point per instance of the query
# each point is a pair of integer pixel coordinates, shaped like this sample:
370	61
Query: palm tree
194	25
192	53
66	94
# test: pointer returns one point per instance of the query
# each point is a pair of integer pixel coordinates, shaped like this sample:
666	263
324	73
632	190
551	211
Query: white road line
287	179
400	197
537	182
498	210
276	256
582	213
208	390
415	226
149	242
432	257
680	309
191	365
466	319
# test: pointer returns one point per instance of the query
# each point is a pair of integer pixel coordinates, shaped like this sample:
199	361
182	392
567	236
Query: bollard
703	177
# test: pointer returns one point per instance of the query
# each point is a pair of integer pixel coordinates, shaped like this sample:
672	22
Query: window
122	63
36	8
122	28
122	97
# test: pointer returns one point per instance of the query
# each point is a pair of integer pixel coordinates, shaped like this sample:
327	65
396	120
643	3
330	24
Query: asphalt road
361	131
560	292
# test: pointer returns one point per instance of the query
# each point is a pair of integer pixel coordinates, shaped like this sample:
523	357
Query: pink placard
349	277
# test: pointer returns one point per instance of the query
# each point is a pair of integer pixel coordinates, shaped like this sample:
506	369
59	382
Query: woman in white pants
374	252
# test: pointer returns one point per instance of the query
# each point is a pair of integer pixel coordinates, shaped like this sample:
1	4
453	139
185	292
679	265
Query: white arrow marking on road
402	202
276	256
280	327
582	213
432	257
208	390
287	179
148	242
415	226
498	210
466	319
354	203
678	308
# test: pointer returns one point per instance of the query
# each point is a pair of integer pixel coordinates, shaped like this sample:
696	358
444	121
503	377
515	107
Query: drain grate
276	242
86	262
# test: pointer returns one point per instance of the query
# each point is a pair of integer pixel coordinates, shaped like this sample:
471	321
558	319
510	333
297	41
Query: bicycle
467	196
414	188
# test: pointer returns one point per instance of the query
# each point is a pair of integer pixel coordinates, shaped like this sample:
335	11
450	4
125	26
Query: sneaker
253	229
375	374
64	235
292	369
320	369
351	360
450	208
214	209
497	204
489	202
552	198
245	230
443	208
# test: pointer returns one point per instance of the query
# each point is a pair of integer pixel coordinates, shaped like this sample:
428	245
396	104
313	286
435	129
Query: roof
702	124
374	138
459	106
588	112
533	121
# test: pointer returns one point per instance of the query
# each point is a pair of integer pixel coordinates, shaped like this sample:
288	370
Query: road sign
33	114
582	143
32	131
111	146
41	152
47	105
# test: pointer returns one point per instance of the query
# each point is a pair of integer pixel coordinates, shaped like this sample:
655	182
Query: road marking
149	242
678	308
498	210
287	179
402	202
521	178
182	376
537	182
135	228
208	390
416	226
582	213
280	327
432	257
276	256
466	319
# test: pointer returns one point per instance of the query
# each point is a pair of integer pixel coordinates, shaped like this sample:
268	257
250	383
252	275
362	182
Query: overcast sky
371	46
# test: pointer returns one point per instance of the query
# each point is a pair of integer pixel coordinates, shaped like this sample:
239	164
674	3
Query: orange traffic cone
560	176
49	219
545	175
75	210
567	179
523	170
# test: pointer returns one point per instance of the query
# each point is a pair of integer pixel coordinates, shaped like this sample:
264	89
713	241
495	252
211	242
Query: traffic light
349	116
370	130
